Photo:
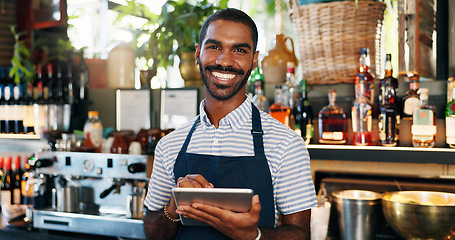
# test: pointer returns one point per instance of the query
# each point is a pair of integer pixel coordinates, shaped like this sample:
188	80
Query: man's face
226	59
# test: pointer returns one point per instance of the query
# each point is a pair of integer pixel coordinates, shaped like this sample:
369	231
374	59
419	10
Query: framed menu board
178	107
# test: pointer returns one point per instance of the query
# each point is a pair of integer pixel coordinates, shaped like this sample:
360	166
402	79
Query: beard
222	91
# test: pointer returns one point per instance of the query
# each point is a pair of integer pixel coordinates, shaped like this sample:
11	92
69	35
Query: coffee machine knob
45	162
136	167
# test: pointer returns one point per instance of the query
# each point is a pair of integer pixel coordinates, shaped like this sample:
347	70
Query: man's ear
255	59
197	53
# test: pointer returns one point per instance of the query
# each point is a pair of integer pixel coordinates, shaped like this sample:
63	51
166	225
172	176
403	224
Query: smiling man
231	144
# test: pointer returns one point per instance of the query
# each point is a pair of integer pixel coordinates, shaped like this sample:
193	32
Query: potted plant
21	65
172	33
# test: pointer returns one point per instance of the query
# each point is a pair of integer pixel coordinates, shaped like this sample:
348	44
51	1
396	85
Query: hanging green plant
20	62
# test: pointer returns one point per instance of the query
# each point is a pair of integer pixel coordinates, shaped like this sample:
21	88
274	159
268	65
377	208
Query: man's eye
240	50
213	47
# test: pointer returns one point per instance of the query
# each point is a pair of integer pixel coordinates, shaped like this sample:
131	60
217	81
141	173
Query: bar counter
18	230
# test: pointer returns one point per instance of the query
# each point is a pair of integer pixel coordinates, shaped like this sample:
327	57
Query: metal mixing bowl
420	214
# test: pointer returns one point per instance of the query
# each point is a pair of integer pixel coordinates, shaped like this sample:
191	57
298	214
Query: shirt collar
235	119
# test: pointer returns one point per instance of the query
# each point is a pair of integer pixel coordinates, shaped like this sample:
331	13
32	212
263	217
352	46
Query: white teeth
223	76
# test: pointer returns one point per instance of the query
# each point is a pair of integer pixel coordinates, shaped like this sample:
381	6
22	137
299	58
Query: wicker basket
330	35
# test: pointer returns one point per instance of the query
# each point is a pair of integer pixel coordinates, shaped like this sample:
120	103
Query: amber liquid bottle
332	122
424	123
411	98
279	110
389	119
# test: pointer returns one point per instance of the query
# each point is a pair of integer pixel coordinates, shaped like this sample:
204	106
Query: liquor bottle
8	104
279	110
93	131
361	113
27	182
82	78
2	99
291	93
450	121
1	182
254	76
39	106
56	110
389	119
29	119
411	98
48	83
423	127
18	106
6	183
16	178
332	122
364	66
259	99
304	116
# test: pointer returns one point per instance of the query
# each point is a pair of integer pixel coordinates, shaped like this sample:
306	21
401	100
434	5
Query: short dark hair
232	15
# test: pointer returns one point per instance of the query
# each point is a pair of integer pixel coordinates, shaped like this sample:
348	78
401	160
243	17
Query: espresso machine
93	193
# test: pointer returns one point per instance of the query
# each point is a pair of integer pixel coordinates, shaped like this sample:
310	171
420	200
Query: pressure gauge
88	165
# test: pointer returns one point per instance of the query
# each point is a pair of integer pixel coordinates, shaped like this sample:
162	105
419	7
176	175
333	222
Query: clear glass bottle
93	131
291	93
332	122
259	99
364	67
423	127
411	98
450	121
389	119
279	110
361	113
304	116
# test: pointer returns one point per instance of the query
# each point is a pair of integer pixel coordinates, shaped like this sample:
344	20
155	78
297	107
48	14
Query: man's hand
234	225
189	181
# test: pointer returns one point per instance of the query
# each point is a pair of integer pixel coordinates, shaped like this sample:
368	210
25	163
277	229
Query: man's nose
225	59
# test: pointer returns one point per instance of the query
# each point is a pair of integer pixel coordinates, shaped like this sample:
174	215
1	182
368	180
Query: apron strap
188	137
257	132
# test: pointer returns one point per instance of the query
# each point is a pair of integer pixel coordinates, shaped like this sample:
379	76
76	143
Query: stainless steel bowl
420	214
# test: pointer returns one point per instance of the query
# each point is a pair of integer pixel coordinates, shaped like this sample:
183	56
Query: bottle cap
388	57
93	113
423	93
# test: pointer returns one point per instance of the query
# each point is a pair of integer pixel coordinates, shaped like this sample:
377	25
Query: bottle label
410	104
309	131
450	130
96	134
423	130
332	135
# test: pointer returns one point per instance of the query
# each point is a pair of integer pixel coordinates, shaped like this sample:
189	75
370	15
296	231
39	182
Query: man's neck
217	109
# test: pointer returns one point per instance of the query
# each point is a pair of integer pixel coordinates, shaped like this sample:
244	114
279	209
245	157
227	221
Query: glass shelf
382	154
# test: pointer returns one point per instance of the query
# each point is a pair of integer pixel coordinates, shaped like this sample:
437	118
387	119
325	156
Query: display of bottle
361	113
279	110
364	67
423	127
259	99
16	178
93	131
2	99
332	122
389	118
291	93
450	121
304	116
6	183
411	98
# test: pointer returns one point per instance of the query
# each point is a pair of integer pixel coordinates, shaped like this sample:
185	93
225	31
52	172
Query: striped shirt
286	154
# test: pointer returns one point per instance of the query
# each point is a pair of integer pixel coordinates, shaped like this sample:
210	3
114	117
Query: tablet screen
234	199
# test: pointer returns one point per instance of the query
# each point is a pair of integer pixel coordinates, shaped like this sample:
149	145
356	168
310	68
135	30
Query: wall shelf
382	154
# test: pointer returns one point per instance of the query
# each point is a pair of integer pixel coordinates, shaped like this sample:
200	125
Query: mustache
224	69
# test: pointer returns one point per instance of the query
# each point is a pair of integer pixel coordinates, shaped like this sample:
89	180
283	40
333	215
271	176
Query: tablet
234	199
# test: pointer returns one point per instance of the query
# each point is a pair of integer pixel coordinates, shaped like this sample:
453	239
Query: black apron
230	172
